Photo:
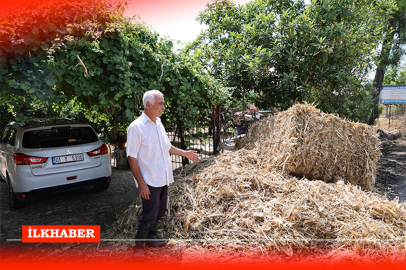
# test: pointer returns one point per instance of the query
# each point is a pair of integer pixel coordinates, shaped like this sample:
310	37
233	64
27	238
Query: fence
204	140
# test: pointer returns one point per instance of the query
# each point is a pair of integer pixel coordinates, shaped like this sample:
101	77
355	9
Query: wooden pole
182	142
390	110
218	126
214	128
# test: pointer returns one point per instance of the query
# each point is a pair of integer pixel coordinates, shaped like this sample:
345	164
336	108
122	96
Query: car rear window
58	136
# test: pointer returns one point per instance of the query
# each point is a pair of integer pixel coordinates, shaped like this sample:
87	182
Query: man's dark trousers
154	208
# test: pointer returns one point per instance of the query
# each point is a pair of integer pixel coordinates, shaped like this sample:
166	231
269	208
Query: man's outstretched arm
191	154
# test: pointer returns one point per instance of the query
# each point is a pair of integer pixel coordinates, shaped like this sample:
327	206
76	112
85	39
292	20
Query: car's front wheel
14	203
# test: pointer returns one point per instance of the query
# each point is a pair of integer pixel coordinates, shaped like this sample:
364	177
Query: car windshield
58	136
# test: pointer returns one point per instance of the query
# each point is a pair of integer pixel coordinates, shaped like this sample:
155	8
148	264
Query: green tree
115	70
391	51
288	52
237	47
28	32
395	75
106	65
5	117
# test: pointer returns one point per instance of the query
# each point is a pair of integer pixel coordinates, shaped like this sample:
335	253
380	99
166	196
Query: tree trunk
380	73
378	82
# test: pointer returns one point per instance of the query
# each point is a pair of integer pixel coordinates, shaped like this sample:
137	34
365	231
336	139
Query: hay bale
308	143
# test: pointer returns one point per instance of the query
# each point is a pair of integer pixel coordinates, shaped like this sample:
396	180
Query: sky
175	19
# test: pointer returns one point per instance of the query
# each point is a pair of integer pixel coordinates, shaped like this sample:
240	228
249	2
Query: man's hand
144	191
192	155
187	154
142	186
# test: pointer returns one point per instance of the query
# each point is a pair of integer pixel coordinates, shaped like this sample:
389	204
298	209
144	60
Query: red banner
61	233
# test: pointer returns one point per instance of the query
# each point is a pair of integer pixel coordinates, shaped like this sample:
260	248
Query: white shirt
149	144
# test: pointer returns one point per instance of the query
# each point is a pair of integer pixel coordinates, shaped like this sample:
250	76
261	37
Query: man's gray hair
149	96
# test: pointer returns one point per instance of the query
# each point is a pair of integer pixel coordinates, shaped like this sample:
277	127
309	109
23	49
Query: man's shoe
151	235
152	231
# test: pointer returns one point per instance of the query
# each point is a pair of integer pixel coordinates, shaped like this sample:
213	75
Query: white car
51	155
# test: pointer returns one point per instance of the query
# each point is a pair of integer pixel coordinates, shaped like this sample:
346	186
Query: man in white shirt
148	149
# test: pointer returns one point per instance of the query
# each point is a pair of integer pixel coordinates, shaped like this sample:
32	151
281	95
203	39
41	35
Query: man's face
158	106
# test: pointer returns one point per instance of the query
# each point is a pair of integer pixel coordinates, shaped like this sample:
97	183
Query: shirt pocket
165	140
150	139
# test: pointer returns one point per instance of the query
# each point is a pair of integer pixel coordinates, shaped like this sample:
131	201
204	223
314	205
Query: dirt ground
78	207
391	174
88	207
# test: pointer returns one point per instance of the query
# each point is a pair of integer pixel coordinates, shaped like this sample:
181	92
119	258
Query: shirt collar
145	118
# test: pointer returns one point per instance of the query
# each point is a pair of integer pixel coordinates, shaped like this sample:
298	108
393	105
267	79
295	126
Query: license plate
67	159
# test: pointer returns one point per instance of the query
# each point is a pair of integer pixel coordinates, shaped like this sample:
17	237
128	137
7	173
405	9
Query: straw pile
236	201
308	143
238	198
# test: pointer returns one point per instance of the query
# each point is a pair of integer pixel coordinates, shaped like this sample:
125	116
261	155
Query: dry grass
397	124
246	198
308	143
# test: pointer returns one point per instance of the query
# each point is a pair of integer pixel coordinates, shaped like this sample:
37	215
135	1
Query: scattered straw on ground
238	198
